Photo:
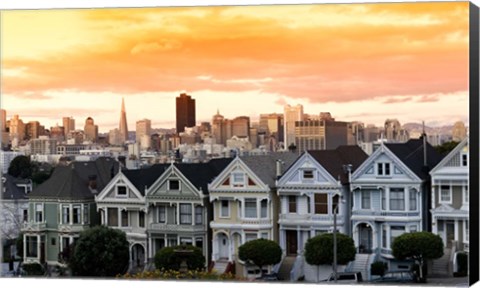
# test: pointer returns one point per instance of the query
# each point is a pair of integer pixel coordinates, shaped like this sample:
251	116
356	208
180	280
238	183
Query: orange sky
364	62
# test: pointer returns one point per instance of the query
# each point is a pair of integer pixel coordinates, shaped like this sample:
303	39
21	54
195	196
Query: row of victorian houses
289	198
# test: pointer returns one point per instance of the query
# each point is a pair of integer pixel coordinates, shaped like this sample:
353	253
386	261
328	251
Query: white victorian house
310	192
450	201
390	197
244	208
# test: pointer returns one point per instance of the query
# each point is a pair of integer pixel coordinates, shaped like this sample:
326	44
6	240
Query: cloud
163	45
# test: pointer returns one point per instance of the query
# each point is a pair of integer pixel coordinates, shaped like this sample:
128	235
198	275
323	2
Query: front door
223	246
450	233
292	244
365	239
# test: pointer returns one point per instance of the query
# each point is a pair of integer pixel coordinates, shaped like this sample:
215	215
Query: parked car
345	277
396	277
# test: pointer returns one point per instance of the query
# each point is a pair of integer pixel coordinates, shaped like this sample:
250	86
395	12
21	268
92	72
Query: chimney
92	182
279	168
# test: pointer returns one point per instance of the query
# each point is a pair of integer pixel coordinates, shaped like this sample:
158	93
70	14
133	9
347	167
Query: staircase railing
277	266
451	258
297	269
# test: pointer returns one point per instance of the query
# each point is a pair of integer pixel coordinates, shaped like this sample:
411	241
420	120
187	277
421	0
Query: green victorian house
62	207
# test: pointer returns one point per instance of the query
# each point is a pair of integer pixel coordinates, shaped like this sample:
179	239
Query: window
250	237
335	203
25	215
32	246
174	185
263	208
413	200
384	199
39	212
445	195
264	235
122	191
396	231
238	179
308	174
250	208
225	208
413	228
185	213
464	160
172	240
112	216
321	204
397	199
162	214
141	219
198	215
124	218
365	199
199	242
65	214
77	212
292	204
465	194
384	236
53	241
86	214
186	241
383	169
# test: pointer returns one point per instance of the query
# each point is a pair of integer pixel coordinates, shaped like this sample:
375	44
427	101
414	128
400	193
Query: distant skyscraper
320	134
392	129
459	132
144	128
68	125
185	109
114	137
123	124
291	115
218	128
17	128
33	129
241	126
3	120
91	130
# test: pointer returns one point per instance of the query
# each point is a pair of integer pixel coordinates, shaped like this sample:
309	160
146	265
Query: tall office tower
123	124
43	146
392	129
143	128
91	130
253	137
185	112
241	126
291	115
371	133
114	137
57	133
3	120
218	128
320	135
459	131
34	130
68	125
17	128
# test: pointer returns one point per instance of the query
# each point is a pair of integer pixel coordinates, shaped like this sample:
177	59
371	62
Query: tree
20	167
418	246
168	259
260	252
446	147
100	251
19	244
319	249
292	147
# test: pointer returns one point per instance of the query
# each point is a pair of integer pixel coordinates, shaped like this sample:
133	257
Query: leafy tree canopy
446	147
417	246
100	252
20	167
168	258
319	249
260	252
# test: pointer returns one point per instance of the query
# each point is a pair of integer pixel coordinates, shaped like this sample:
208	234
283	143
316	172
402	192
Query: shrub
319	249
167	259
261	252
33	269
462	260
378	268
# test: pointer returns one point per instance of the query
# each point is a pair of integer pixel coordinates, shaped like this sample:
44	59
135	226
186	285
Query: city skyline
358	61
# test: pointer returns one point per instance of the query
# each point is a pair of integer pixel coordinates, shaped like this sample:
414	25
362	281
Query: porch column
434	225
312	203
38	247
214	247
299	240
150	252
456	238
106	216
193	217
24	247
283	243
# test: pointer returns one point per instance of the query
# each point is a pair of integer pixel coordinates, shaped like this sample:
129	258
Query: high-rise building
291	115
123	124
68	125
143	128
218	128
91	130
3	120
114	137
34	129
43	146
392	129
185	110
17	128
57	133
459	132
241	126
320	135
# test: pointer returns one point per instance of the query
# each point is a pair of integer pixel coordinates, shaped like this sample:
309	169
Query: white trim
118	195
450	196
220	214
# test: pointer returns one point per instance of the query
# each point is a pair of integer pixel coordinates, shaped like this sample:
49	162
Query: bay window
250	208
397	199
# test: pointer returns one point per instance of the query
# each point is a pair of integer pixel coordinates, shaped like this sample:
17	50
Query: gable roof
72	182
450	155
11	191
145	177
333	160
411	154
264	166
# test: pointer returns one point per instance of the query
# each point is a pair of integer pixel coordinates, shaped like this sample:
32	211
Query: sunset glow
364	62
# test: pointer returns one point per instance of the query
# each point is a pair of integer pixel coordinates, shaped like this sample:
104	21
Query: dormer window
383	169
308	174
174	185
121	191
238	179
